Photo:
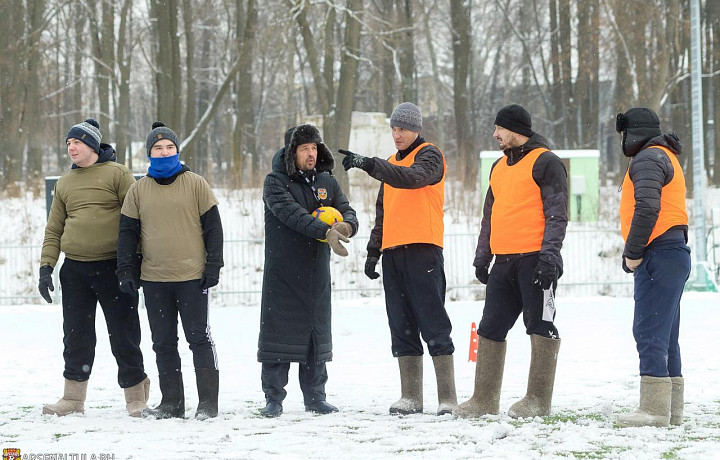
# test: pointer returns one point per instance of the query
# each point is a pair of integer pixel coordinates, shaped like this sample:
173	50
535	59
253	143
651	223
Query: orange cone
472	354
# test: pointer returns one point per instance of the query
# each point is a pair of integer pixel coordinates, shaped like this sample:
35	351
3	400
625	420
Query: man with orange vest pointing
654	224
408	233
523	226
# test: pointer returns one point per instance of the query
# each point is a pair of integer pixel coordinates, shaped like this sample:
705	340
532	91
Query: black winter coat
295	307
550	175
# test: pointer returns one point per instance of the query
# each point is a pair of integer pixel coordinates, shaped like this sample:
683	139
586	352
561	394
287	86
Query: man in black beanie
83	224
408	233
523	227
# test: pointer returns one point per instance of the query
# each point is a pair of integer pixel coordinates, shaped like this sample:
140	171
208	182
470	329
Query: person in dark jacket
83	224
295	322
523	227
654	224
408	233
172	214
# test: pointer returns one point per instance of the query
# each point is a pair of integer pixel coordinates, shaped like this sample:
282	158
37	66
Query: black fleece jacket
428	169
550	175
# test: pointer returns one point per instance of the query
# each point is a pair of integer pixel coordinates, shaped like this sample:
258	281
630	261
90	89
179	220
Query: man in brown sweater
83	224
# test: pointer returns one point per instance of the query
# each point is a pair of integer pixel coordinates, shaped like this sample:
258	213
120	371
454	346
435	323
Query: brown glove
333	238
344	228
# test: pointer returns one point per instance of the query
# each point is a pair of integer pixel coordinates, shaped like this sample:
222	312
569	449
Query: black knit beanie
515	118
160	131
87	132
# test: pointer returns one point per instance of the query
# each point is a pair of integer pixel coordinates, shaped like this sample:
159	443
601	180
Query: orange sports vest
672	201
517	222
413	215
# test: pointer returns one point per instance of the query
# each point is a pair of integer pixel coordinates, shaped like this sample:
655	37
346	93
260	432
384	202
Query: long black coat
295	307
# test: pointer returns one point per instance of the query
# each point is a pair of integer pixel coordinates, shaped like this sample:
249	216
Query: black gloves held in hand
482	275
545	274
370	264
46	283
353	160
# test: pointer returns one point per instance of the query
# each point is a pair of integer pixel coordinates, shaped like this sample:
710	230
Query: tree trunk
190	100
460	23
168	76
244	128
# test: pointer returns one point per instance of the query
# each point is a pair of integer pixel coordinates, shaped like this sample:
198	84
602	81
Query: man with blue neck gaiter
172	214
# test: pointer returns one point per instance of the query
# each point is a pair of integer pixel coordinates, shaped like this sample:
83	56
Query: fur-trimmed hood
284	159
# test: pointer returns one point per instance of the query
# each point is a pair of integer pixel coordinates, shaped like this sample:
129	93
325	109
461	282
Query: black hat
515	118
638	125
87	132
160	131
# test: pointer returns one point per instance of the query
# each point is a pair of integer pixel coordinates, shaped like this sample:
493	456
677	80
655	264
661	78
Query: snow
596	379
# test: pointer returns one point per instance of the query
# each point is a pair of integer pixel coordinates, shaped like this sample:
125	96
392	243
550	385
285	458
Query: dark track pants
510	292
414	281
164	301
311	374
659	283
84	284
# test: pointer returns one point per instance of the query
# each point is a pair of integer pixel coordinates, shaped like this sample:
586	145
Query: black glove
370	264
482	275
128	285
545	274
353	160
46	283
210	278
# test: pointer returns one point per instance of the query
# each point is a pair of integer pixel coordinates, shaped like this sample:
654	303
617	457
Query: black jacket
428	169
295	306
550	175
650	170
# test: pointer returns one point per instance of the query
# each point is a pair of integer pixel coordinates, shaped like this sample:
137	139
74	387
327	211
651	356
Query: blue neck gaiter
164	166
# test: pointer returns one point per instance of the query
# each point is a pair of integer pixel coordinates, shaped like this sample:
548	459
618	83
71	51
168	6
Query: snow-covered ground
596	379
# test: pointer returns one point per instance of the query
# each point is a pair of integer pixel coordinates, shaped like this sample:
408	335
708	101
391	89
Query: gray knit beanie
160	131
87	132
407	116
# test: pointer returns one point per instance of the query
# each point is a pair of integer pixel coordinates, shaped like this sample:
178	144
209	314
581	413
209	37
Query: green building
583	173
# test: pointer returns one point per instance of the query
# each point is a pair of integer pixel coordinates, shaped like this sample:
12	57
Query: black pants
414	281
164	301
84	284
510	291
311	374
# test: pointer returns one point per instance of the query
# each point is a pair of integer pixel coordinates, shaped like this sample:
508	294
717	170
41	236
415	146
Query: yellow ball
327	214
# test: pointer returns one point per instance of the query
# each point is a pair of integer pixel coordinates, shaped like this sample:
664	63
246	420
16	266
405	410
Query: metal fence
591	257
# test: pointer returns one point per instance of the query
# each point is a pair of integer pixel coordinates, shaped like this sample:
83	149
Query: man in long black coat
295	323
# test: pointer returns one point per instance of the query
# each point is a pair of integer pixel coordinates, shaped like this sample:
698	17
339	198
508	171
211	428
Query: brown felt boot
541	379
488	380
72	402
136	398
654	410
445	376
677	400
411	386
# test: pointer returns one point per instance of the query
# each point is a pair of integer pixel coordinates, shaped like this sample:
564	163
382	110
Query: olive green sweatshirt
85	212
